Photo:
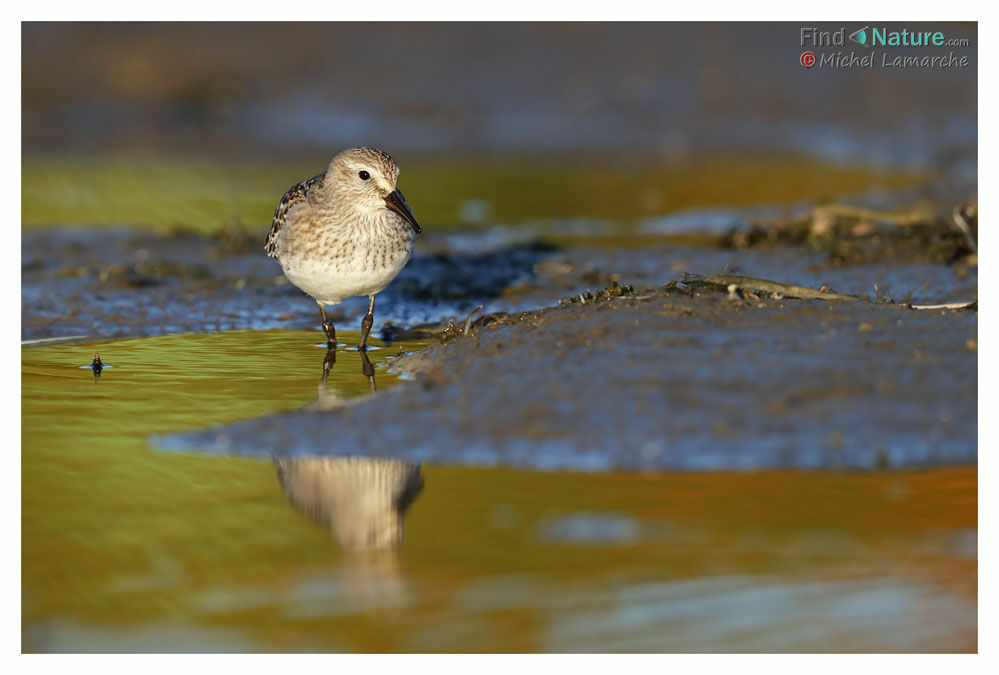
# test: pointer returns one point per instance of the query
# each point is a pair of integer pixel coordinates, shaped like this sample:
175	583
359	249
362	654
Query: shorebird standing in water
345	232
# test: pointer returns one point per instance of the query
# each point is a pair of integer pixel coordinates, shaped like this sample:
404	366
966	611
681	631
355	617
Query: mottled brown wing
293	196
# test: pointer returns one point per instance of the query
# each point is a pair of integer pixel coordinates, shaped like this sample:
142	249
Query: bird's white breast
336	262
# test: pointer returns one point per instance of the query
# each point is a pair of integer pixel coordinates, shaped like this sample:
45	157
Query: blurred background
630	90
568	119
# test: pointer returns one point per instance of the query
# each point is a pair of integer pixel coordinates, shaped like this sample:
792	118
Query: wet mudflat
665	381
126	283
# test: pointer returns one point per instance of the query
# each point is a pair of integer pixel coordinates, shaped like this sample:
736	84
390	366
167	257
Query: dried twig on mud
468	321
723	281
732	282
970	304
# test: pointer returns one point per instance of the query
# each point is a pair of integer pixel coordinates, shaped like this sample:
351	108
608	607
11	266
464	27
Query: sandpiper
343	233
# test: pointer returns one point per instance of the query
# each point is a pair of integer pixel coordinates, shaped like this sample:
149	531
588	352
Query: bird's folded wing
295	195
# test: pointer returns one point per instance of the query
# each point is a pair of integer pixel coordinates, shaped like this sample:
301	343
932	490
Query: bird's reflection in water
328	398
361	499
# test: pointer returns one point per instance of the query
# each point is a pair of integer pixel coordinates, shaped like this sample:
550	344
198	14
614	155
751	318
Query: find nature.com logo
869	37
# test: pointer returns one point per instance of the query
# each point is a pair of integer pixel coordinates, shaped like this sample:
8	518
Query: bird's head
366	178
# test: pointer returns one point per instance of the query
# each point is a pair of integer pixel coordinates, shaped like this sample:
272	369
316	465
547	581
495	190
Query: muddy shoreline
663	380
124	282
656	374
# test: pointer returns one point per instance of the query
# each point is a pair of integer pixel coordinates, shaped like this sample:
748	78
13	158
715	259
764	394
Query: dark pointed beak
397	203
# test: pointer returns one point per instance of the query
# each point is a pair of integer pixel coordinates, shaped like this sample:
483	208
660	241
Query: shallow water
128	549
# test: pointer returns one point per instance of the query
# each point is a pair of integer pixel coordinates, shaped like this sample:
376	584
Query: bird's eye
363	175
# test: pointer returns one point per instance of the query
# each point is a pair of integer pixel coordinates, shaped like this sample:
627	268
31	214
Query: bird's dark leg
366	322
328	363
368	371
328	328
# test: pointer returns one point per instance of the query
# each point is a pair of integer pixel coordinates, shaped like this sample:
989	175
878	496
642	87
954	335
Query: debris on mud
736	285
968	305
450	332
854	235
612	290
771	289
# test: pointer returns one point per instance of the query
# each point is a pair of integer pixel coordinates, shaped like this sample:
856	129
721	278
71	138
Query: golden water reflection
129	549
